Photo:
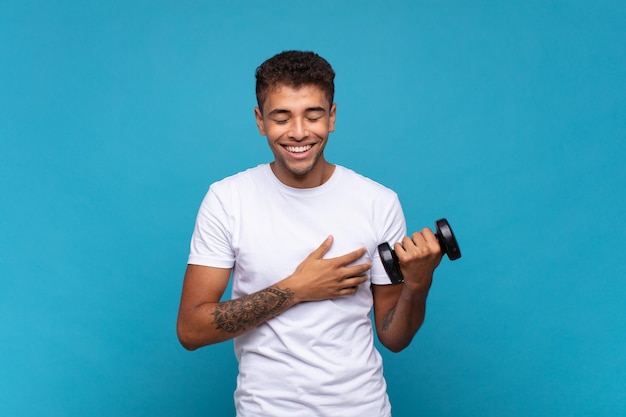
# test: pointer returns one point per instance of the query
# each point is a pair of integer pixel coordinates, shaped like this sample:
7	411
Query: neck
314	178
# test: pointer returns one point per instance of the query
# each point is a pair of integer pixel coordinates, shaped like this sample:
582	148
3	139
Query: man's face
297	123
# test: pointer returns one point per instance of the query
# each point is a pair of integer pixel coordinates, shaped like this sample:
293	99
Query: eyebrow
310	109
307	110
279	111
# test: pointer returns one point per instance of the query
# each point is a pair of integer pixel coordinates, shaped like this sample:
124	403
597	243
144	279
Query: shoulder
369	194
363	183
250	178
234	189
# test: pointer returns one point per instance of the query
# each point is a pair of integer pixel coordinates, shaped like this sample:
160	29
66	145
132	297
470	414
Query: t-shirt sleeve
210	242
392	230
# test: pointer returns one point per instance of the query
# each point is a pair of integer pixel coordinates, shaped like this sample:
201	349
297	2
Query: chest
275	233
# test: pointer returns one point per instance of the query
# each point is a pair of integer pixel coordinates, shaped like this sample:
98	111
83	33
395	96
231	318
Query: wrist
289	285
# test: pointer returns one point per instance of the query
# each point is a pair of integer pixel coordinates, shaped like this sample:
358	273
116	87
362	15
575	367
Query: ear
259	121
332	115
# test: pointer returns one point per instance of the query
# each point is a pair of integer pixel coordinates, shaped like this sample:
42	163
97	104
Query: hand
317	278
418	257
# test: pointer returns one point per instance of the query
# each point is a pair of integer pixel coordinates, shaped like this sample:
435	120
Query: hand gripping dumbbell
447	242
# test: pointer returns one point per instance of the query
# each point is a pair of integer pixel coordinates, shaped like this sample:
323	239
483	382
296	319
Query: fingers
355	272
420	244
343	260
350	257
321	278
351	285
323	248
418	257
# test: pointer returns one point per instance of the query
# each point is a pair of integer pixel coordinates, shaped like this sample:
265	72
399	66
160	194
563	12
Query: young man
300	237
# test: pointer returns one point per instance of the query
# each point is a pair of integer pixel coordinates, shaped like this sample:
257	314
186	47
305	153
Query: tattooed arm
399	310
204	320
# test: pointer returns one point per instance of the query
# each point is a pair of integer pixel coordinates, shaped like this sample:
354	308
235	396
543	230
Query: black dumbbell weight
445	237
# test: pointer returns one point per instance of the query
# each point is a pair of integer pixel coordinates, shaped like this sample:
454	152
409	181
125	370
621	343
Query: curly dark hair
294	69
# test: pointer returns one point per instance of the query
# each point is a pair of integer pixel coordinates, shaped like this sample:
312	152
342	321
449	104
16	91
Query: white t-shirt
316	358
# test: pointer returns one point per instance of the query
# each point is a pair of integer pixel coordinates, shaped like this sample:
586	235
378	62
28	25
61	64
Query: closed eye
315	114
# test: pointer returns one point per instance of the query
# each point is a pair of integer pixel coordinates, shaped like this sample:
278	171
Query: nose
298	130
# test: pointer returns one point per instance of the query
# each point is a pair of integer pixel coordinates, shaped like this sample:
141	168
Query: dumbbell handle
447	242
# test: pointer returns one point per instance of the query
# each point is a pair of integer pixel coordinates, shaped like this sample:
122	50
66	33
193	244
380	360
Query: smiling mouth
298	149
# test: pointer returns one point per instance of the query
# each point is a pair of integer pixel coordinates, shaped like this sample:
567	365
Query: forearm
403	309
210	323
401	322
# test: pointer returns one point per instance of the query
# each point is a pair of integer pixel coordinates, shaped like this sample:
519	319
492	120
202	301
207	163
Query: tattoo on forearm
248	311
388	319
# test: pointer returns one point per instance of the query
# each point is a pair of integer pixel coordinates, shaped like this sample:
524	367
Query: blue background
506	117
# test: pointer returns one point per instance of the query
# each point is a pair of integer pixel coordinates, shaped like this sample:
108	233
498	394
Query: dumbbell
447	242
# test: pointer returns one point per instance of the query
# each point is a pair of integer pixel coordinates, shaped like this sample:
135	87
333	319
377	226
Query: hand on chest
280	238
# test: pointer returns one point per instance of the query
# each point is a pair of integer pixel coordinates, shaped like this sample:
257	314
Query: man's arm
204	320
399	310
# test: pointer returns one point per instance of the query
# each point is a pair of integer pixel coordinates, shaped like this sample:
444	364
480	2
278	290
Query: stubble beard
298	170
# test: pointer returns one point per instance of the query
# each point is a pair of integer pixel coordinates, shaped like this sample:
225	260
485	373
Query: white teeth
298	149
